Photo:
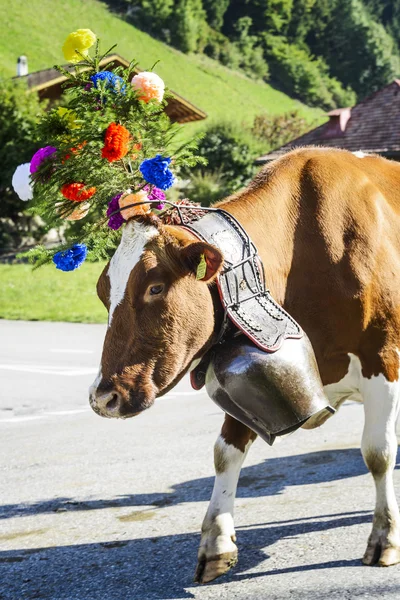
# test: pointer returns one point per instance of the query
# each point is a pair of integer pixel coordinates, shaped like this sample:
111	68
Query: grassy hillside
38	28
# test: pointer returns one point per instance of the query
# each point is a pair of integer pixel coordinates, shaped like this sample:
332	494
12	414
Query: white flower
21	182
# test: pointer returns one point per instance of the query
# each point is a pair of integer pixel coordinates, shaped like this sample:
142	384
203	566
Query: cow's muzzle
116	405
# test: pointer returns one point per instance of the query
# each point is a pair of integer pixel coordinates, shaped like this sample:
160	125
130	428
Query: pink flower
149	86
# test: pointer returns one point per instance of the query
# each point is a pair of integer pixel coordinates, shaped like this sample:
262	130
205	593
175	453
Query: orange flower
116	142
77	192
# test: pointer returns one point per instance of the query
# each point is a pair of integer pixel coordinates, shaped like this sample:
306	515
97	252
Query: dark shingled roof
372	126
48	83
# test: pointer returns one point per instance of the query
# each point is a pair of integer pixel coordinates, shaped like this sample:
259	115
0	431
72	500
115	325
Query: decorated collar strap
247	302
144	208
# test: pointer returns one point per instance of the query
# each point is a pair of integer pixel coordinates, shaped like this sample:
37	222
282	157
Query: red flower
116	142
77	192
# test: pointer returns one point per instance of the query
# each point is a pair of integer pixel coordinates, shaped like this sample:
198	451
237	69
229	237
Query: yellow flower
68	116
80	40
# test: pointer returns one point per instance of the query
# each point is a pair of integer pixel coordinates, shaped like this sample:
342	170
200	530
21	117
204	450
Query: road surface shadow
157	568
268	478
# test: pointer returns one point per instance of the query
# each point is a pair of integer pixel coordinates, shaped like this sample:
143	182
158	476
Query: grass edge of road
47	294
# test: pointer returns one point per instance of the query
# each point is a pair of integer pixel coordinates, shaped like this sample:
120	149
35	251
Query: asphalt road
98	509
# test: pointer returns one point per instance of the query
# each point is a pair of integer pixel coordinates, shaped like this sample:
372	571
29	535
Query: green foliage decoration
79	136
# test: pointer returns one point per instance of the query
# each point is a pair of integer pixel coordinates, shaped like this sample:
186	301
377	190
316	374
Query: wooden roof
48	84
372	126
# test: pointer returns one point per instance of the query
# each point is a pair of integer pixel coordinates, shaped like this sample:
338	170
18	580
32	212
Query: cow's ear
203	260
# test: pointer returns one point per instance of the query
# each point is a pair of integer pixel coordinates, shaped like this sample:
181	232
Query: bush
277	130
206	187
230	151
19	113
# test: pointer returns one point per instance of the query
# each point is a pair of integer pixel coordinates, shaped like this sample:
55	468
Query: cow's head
161	315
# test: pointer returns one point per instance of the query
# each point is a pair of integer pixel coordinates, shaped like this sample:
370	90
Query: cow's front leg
379	449
218	551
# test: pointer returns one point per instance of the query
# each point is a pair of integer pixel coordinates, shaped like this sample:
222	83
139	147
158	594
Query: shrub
206	187
277	130
230	151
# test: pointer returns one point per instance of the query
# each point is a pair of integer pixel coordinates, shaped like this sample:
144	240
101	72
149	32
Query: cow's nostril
108	404
113	403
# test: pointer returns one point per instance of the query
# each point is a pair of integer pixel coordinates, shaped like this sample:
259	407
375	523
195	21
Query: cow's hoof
209	569
381	556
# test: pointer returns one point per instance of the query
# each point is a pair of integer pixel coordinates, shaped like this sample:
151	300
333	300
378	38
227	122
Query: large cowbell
272	393
266	377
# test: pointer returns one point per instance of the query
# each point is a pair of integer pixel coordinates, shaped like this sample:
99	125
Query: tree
358	50
153	15
250	53
188	25
216	10
20	111
268	16
299	74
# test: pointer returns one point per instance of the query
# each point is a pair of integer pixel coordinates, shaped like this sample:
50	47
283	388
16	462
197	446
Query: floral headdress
111	146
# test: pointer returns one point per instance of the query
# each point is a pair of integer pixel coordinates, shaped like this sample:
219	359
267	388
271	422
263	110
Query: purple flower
155	194
40	156
115	221
155	170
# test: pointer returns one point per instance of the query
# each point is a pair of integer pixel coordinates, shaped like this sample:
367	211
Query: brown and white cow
327	226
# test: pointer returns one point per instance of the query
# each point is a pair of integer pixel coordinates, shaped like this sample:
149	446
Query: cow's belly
347	388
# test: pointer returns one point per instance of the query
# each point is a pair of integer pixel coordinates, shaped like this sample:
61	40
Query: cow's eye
156	289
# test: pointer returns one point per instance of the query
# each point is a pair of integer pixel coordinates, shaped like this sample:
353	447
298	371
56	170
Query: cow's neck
270	223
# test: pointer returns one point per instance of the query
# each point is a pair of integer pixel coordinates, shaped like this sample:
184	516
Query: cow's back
327	225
